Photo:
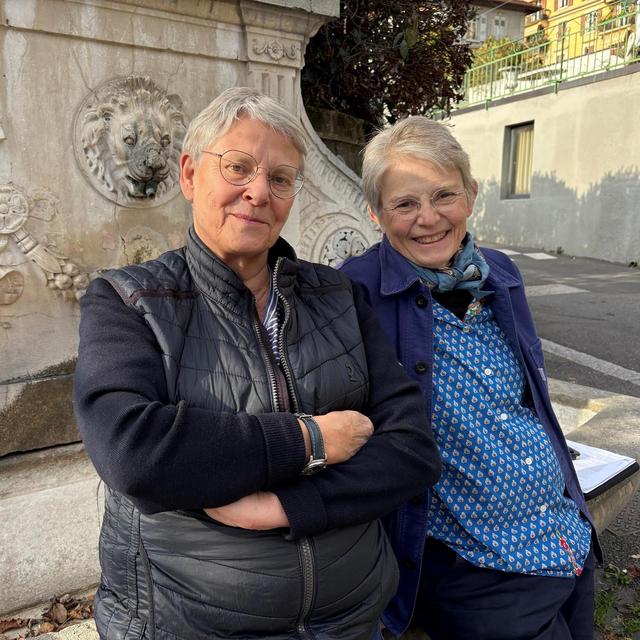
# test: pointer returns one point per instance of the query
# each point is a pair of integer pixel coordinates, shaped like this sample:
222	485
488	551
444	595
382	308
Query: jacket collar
398	275
219	283
498	275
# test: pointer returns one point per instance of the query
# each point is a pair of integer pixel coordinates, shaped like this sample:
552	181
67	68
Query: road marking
551	290
584	359
539	256
509	252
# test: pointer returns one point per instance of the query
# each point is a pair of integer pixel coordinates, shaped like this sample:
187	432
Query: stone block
36	414
50	509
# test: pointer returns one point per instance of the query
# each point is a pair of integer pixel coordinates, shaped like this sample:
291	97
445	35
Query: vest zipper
284	362
273	385
308	568
306	552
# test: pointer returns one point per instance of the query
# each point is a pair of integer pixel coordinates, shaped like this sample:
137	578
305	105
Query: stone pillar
95	99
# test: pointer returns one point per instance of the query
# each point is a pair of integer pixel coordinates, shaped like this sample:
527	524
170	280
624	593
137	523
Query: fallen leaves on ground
61	612
634	570
12	623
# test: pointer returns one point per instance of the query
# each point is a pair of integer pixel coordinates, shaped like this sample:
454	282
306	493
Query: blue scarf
467	270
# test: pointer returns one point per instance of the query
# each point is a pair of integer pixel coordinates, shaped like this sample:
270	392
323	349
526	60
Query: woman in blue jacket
501	547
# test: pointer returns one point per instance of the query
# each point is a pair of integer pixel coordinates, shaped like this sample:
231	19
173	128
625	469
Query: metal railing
570	50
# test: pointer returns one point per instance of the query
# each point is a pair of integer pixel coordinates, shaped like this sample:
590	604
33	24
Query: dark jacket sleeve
166	456
398	462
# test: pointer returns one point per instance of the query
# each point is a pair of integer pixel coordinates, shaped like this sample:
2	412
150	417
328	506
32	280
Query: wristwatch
318	458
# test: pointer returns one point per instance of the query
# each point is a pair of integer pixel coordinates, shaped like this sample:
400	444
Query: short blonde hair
418	137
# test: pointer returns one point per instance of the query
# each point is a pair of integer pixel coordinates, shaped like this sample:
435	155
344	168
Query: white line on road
539	256
584	359
552	290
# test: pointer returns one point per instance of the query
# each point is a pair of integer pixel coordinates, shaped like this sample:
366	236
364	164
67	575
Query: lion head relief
129	134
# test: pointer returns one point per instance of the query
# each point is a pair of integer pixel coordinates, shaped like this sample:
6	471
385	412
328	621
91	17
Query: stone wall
75	197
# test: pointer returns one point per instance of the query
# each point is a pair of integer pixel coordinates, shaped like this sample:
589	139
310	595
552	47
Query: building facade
579	29
497	20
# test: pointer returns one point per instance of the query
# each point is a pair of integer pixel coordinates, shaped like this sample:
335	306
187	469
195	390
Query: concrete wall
585	194
67	206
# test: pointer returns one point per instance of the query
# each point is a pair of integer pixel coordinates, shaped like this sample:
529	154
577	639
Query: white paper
596	466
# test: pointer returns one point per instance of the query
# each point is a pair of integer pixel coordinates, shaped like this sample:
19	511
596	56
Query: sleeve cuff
285	446
304	508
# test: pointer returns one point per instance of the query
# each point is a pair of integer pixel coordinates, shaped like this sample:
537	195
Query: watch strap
318	458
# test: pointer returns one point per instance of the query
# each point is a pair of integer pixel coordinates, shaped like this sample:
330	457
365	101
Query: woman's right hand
343	432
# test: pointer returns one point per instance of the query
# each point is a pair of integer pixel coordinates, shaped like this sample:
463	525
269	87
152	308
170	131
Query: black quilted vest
178	575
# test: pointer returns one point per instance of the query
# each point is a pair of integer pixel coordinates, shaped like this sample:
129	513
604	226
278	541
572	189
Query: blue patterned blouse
500	501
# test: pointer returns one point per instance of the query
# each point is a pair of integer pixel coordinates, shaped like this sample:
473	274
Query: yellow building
592	34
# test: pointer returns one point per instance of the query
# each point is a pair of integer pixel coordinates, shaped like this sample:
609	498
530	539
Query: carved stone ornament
343	244
276	50
11	286
330	236
63	276
127	138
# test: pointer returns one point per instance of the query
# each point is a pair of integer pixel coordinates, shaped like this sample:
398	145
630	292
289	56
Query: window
499	27
517	164
564	3
561	31
590	21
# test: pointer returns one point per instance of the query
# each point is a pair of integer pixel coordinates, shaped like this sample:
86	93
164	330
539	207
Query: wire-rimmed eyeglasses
443	201
240	168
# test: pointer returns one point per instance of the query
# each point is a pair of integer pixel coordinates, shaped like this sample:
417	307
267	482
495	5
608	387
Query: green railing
574	49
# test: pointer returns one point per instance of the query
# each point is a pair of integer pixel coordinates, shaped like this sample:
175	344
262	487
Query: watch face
313	466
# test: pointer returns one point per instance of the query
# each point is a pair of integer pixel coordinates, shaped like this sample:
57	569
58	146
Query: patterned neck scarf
467	270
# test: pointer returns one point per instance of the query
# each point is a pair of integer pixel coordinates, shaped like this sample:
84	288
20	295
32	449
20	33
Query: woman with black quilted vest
248	418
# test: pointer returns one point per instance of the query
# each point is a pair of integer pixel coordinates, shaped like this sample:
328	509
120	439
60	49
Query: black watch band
318	459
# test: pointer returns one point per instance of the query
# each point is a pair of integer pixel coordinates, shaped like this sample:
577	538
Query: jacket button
409	564
421	367
421	301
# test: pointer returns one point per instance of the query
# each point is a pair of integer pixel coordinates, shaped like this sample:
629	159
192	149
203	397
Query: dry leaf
58	613
13	623
46	627
634	570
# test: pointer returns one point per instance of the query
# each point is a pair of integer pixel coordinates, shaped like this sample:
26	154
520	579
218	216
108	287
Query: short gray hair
218	117
420	138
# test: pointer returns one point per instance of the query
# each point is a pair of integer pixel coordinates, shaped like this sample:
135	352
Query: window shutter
555	5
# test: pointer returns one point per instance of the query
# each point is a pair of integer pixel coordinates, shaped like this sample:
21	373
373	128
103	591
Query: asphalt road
587	313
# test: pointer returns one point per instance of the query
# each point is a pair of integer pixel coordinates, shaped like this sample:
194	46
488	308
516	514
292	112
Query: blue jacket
403	306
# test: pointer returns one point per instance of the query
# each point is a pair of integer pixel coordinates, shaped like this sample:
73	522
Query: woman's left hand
260	511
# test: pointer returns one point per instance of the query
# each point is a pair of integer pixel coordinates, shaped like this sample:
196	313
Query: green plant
384	59
631	624
494	55
604	601
617	575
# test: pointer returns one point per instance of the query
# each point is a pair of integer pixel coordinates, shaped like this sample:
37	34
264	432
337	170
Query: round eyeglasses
444	201
239	168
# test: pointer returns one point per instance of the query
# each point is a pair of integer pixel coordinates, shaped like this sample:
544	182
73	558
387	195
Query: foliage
617	603
385	59
495	49
496	54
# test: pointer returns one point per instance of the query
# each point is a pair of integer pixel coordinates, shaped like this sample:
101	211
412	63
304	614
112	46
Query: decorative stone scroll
63	276
127	139
342	244
276	49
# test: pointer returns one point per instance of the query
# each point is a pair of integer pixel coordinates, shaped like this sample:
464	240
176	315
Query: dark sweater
166	456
